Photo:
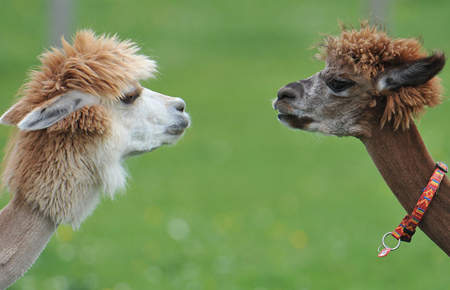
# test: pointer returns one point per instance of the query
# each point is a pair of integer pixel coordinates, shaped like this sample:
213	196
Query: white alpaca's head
81	114
148	120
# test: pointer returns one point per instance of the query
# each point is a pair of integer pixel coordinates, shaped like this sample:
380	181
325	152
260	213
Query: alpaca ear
10	117
50	112
411	74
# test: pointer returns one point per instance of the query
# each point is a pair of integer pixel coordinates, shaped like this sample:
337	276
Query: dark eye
130	97
339	85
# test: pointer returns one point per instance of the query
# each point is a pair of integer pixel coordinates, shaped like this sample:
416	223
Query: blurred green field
241	202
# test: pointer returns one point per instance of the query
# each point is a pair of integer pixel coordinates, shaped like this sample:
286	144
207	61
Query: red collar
407	226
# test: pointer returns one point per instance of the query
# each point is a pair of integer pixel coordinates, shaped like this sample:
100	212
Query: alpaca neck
406	166
24	233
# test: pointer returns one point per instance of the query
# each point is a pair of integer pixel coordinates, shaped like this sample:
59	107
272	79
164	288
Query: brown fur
370	52
44	169
101	66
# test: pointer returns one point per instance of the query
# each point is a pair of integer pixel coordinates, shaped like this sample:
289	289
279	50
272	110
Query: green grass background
241	202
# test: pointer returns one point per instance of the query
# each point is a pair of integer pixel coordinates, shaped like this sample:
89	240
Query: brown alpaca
81	114
371	88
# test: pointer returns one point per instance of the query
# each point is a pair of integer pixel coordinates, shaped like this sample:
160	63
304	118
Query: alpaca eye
130	97
339	85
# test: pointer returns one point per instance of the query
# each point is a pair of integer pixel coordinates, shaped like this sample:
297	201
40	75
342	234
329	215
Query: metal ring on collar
384	244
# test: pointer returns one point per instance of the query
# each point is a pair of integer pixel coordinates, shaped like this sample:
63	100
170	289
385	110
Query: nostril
291	91
179	106
287	93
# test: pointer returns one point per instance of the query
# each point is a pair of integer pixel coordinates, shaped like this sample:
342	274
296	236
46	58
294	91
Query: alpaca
371	88
81	114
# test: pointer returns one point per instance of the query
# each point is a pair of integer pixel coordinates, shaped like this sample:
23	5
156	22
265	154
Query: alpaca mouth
175	130
179	127
294	121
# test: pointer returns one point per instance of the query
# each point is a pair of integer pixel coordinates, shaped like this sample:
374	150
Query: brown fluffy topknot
98	65
370	51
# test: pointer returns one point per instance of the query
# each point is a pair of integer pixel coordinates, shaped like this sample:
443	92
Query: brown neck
406	166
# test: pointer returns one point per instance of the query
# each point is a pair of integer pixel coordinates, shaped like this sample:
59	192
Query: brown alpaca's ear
411	74
47	113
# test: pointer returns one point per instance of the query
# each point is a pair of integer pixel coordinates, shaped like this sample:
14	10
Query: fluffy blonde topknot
98	65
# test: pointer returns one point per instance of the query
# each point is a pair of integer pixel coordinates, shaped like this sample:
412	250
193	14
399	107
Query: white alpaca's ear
411	74
57	109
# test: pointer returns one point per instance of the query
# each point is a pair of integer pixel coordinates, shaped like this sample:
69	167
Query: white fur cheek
144	123
109	159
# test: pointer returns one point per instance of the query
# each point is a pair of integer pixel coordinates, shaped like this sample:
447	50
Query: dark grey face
339	102
330	102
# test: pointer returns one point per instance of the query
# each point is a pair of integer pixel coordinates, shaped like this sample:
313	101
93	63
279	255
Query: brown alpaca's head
79	116
369	79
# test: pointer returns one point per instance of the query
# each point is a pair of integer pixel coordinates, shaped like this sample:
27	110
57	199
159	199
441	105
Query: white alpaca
82	113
